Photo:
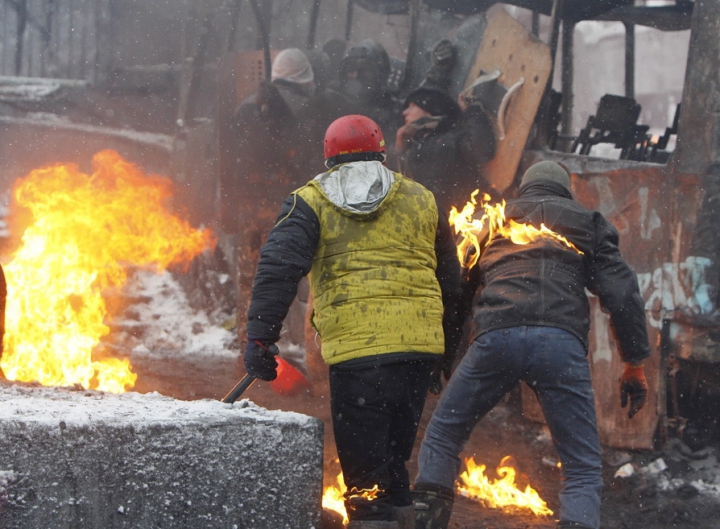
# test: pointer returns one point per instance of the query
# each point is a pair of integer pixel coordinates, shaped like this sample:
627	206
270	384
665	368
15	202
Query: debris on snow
625	471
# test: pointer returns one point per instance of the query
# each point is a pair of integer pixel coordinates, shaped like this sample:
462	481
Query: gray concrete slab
85	459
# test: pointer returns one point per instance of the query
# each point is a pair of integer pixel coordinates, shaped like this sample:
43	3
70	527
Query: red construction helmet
353	138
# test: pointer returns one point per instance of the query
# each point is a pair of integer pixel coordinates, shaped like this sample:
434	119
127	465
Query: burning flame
334	500
334	497
85	233
492	222
502	492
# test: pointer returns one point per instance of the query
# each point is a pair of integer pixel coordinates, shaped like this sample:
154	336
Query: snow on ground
160	322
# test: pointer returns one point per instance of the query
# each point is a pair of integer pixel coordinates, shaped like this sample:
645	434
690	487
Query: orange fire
85	233
492	222
333	497
502	492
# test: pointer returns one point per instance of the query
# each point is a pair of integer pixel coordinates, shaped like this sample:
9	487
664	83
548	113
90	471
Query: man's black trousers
376	411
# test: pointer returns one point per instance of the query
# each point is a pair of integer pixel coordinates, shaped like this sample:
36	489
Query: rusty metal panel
640	201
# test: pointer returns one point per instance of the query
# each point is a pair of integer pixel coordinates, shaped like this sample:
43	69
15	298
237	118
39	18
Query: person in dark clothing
277	133
363	83
384	274
442	145
531	324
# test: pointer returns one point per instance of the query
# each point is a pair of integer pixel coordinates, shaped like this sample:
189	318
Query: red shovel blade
290	381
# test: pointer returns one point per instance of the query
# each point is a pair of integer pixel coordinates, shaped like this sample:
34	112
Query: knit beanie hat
546	170
292	65
435	101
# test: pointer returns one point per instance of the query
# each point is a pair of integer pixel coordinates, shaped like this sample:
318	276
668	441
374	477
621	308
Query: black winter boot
405	516
572	525
433	506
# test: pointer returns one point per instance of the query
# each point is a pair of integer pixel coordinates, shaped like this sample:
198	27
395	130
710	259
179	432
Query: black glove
444	54
443	368
259	359
633	385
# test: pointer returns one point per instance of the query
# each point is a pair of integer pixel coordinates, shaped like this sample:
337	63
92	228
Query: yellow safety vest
373	275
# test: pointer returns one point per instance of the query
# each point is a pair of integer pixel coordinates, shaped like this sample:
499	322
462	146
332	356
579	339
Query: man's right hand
259	360
634	386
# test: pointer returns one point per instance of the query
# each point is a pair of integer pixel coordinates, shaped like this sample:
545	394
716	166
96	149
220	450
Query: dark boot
433	505
572	525
373	524
405	516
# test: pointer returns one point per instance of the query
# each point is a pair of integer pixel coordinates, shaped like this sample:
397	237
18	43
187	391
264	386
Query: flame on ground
85	232
502	492
333	498
474	231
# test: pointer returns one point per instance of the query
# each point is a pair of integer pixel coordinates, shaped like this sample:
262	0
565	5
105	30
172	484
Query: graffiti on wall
672	287
669	288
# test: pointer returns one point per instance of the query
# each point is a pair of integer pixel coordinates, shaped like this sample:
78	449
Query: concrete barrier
85	459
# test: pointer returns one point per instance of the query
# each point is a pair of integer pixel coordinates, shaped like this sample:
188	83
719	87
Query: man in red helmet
384	274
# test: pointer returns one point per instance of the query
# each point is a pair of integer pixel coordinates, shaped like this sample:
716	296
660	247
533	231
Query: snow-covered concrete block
85	459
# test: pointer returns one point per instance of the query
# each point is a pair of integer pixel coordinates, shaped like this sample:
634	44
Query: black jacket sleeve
615	283
477	143
448	275
285	259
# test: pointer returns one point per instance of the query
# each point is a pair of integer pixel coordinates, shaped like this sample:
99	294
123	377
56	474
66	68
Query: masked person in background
384	275
531	324
442	145
278	137
363	82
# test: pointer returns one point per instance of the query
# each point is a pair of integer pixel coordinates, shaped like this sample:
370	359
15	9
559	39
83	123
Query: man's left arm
616	285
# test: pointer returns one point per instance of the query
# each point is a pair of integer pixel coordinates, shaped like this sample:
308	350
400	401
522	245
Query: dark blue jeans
553	362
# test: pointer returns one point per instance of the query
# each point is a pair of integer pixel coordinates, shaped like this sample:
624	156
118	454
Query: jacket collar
544	188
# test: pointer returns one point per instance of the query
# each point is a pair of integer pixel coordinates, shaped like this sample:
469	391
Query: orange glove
633	385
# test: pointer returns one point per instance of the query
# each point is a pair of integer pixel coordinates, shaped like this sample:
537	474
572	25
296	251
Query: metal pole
568	29
415	6
630	60
264	34
314	12
543	117
349	20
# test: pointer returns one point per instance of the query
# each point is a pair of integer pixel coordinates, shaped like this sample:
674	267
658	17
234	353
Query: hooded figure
278	134
384	274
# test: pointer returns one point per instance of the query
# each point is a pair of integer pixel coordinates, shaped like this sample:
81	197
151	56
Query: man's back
374	263
543	282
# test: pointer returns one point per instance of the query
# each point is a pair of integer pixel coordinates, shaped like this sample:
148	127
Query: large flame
85	232
502	492
492	221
